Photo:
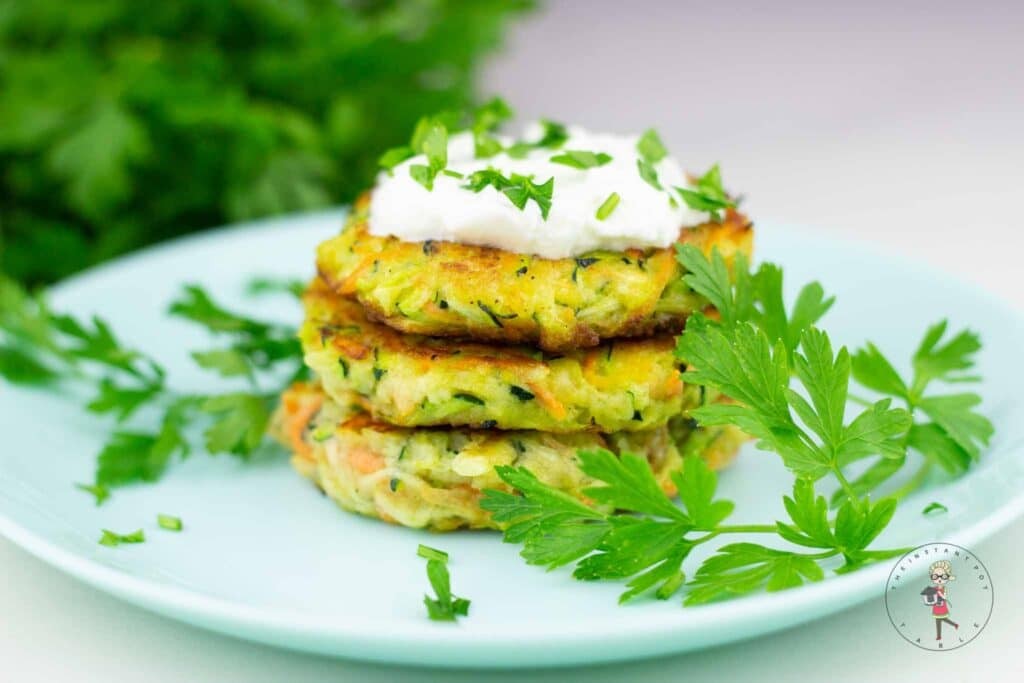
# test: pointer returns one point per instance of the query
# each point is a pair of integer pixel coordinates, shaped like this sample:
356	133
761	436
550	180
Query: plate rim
485	645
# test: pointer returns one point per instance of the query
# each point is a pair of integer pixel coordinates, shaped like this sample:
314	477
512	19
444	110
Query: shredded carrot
347	287
673	385
351	348
550	403
300	409
365	461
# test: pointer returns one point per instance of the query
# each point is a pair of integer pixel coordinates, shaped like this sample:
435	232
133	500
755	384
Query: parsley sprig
38	346
445	606
786	385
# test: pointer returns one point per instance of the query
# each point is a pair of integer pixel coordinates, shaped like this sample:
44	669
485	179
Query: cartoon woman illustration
935	596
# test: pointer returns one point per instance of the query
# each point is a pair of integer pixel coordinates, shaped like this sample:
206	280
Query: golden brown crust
468	291
412	380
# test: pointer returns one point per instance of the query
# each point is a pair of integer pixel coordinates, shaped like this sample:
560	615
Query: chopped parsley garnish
169	522
581	159
485	120
431	140
518	188
99	492
647	172
650	147
651	151
394	156
444	606
607	206
707	194
112	539
554	136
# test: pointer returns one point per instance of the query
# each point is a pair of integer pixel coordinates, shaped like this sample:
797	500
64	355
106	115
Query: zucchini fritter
410	381
434	478
457	290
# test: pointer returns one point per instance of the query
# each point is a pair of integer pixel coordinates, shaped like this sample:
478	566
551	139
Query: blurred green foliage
123	122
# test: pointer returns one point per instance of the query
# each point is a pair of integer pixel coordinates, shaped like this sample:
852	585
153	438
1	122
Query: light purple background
896	123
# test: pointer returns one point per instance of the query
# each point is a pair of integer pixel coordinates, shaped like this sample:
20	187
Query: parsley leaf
240	422
99	492
519	189
445	606
711	279
581	159
707	194
394	156
650	147
553	136
113	539
956	432
648	173
741	568
431	140
696	484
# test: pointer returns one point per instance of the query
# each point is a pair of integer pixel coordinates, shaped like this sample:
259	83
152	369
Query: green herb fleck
707	194
98	491
518	188
581	159
607	206
169	522
112	539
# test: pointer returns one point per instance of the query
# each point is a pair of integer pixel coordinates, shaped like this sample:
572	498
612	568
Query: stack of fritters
438	361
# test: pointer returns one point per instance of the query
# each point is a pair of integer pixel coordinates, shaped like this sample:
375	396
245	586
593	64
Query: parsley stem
915	481
847	487
746	529
860	400
737	529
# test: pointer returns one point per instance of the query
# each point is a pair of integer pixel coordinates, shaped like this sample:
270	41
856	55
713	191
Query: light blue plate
264	557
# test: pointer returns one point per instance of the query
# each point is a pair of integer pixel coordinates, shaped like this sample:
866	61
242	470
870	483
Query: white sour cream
644	217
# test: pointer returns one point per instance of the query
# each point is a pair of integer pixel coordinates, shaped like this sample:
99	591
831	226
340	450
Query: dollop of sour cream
645	217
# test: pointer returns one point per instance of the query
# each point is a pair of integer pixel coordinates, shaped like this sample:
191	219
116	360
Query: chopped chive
393	484
169	522
453	174
637	417
378	373
428	553
607	206
343	364
469	398
934	508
